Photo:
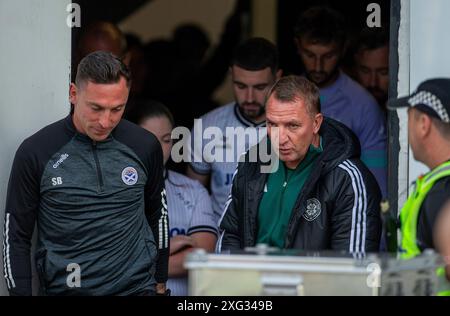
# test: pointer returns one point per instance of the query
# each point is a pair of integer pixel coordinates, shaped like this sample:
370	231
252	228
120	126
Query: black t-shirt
429	212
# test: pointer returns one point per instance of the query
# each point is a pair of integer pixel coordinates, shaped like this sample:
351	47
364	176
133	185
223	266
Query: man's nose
282	134
105	119
277	136
249	97
318	65
373	80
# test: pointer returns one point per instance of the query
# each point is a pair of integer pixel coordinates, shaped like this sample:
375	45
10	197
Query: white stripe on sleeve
6	256
358	229
364	206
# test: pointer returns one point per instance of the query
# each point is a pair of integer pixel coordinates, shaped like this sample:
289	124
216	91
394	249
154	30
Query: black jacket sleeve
22	203
356	222
156	211
230	224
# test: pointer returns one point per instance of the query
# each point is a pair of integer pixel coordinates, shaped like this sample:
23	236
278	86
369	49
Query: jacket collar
70	127
243	120
339	143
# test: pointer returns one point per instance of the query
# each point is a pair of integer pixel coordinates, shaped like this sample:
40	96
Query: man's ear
318	119
425	125
73	91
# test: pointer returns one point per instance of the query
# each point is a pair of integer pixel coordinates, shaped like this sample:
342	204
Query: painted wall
429	47
403	88
35	63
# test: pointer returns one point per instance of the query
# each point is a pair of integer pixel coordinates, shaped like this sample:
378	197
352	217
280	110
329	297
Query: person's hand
442	236
161	289
180	242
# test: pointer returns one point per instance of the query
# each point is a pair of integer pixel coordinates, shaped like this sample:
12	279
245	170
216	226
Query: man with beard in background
371	63
254	69
320	36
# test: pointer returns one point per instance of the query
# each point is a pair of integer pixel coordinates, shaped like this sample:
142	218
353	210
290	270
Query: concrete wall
429	50
423	45
403	88
35	63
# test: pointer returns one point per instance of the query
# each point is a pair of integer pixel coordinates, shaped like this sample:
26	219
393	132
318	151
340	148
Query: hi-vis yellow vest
409	216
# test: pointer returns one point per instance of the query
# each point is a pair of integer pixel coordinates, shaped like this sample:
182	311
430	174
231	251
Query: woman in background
191	218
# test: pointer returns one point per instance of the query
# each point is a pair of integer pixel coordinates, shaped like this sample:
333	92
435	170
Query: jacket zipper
97	164
295	216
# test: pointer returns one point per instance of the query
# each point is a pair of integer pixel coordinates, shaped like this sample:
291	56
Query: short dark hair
372	38
256	54
442	127
321	24
146	109
294	88
103	68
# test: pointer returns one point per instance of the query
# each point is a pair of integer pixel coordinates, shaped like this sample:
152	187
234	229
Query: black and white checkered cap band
429	99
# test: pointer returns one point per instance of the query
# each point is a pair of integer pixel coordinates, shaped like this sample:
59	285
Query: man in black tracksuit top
321	197
94	185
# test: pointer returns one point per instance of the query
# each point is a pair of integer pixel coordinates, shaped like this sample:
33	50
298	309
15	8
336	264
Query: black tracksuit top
98	205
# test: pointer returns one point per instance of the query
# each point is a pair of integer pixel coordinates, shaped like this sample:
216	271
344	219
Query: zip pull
97	165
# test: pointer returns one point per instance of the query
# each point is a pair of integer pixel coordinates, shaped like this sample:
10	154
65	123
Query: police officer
429	137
